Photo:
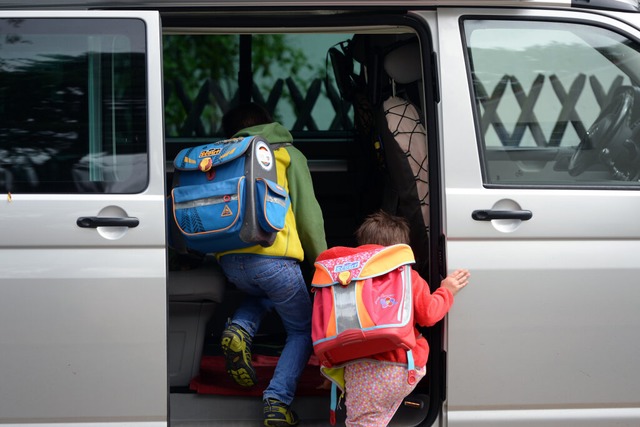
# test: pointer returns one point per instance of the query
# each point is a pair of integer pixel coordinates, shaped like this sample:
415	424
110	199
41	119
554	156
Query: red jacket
428	309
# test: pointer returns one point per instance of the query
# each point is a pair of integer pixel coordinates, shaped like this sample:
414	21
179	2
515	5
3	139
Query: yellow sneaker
236	346
278	414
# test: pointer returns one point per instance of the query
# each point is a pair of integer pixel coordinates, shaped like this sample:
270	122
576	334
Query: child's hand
456	281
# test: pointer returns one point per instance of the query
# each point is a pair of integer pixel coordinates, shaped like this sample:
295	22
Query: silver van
507	132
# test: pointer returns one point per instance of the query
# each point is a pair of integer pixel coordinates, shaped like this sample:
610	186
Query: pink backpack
362	305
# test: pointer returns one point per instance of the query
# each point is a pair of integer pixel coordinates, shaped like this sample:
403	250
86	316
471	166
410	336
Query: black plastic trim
491	214
97	221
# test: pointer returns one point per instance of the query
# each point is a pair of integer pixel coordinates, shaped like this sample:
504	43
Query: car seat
194	293
403	137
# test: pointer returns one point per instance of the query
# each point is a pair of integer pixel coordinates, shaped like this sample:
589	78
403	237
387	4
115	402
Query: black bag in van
225	196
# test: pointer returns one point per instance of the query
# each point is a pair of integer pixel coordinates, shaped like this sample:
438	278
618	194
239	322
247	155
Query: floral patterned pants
374	391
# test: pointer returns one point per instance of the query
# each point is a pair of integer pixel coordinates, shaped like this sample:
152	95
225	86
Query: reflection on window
556	103
73	106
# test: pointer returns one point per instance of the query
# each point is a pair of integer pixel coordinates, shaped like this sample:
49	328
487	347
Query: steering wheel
608	133
623	157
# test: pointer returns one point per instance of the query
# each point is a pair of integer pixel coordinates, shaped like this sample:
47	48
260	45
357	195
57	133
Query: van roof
622	5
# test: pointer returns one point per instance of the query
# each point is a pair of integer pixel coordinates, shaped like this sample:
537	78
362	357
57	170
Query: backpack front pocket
206	209
272	204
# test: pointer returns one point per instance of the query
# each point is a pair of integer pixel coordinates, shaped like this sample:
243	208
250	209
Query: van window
287	73
73	106
293	77
556	103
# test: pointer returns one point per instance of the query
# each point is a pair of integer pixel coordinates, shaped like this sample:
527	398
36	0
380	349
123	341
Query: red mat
213	378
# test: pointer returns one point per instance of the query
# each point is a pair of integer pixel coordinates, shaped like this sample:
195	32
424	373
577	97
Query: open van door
542	199
82	219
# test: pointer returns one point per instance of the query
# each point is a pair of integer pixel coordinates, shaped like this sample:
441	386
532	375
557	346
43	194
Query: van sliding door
82	252
542	199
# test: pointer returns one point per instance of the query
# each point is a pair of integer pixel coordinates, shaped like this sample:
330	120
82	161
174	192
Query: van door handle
100	221
491	214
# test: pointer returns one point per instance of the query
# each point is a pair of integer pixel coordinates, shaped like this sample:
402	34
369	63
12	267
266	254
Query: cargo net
410	135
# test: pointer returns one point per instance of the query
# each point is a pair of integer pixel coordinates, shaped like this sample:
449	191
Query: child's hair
244	116
382	228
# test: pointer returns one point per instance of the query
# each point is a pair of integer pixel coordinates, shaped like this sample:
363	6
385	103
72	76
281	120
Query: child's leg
374	391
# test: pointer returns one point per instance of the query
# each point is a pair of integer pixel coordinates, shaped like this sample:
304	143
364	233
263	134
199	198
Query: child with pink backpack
375	361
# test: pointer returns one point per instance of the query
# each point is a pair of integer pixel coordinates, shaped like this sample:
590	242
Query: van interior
352	97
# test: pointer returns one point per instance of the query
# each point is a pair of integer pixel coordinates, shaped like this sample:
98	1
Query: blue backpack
225	196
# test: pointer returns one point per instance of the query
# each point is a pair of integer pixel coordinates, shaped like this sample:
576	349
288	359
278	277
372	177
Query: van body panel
619	417
545	333
82	345
83	335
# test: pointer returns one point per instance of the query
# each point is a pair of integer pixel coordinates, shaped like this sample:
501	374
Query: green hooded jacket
303	236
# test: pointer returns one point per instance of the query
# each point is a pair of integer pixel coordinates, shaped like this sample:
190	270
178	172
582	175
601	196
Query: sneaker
236	346
277	414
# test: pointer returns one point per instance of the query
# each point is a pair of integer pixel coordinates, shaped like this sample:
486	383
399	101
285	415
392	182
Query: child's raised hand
456	281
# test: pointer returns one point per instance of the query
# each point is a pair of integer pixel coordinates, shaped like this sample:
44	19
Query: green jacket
303	236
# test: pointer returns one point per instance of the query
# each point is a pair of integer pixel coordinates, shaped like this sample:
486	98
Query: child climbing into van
376	385
270	277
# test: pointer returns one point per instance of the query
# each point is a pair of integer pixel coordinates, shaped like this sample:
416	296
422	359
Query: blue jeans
278	283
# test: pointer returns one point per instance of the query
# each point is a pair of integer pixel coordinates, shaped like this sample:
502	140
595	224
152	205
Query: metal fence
527	102
303	101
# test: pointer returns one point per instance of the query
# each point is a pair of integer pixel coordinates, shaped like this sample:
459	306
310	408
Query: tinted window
204	76
556	103
72	102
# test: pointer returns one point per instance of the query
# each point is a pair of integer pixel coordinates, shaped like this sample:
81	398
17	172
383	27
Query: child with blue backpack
270	277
